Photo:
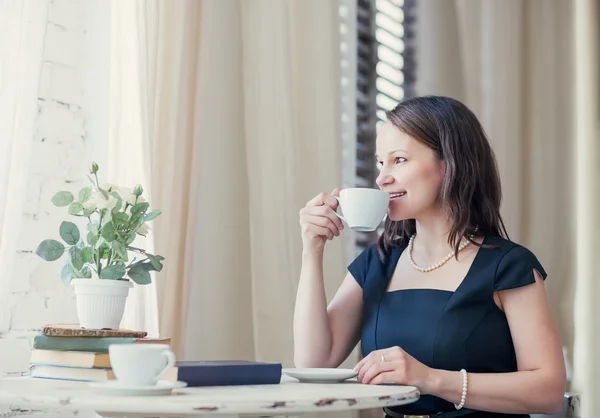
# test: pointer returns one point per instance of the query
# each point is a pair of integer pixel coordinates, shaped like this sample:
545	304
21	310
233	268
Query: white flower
98	201
143	229
126	193
109	187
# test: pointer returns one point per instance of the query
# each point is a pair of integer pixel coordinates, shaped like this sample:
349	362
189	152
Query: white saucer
114	387
319	375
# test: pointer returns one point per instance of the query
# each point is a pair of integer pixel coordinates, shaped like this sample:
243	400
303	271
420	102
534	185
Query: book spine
98	345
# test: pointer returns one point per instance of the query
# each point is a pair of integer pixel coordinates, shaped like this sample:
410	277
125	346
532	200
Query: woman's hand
394	365
318	221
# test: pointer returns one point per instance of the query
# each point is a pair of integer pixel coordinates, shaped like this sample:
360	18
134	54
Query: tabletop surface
289	396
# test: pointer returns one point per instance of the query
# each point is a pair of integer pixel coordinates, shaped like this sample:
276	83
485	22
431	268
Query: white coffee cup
140	365
363	209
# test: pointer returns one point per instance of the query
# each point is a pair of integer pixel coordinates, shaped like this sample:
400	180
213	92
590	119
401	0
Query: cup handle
339	206
170	363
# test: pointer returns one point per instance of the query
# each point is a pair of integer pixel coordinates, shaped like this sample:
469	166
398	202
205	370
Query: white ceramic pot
100	302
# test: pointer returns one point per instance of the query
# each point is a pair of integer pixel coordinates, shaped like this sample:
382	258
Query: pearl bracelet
464	390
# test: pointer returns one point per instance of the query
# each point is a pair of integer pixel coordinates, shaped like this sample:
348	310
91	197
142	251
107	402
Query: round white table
287	398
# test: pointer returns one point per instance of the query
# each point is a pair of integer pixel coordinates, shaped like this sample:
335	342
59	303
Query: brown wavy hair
471	188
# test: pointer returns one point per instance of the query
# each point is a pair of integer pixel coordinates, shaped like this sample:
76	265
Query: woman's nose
384	179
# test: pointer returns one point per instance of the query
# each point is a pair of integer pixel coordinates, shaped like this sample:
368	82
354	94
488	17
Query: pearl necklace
435	266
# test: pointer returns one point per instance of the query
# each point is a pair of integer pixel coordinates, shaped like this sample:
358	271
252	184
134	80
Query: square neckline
397	254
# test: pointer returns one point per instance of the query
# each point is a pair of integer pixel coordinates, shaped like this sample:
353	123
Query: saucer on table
114	387
320	375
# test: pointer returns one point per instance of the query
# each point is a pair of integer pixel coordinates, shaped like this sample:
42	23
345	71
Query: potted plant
99	264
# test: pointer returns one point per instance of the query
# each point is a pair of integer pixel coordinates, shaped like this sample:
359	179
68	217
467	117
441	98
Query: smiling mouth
397	195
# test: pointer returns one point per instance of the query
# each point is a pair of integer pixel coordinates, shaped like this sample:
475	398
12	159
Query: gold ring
382	359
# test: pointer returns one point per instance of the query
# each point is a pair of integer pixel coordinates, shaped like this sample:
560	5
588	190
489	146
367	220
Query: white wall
70	130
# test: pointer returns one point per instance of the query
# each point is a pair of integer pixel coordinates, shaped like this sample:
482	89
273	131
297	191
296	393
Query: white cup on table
140	365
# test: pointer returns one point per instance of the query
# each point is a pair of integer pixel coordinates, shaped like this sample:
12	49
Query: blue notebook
225	373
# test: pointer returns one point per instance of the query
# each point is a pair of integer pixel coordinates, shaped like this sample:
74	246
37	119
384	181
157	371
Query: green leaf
108	232
88	254
145	264
106	216
136	221
85	194
50	250
155	260
104	250
69	232
75	208
120	218
92	238
66	274
150	216
113	272
74	272
87	212
130	237
76	257
61	199
93	227
140	207
86	273
140	275
138	218
120	250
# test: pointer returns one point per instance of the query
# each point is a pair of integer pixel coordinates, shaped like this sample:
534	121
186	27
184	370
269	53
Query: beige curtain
241	126
22	30
587	106
293	148
511	63
131	120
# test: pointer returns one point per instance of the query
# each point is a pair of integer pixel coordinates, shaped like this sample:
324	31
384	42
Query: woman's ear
442	169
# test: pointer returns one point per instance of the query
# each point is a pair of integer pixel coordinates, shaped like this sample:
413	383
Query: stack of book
68	352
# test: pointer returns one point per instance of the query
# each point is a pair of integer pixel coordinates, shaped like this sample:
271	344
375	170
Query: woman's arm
539	384
324	335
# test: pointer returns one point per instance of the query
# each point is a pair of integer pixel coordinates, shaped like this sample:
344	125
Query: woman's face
410	172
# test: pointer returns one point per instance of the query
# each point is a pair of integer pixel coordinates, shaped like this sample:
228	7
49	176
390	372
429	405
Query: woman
443	301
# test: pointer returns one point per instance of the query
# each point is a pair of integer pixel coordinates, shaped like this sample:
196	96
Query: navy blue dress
442	329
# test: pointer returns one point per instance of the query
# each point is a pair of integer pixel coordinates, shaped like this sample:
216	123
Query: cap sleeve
360	266
516	269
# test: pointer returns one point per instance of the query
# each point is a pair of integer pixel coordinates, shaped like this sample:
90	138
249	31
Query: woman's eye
379	165
399	160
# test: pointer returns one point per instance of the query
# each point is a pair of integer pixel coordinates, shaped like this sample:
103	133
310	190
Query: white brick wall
70	130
